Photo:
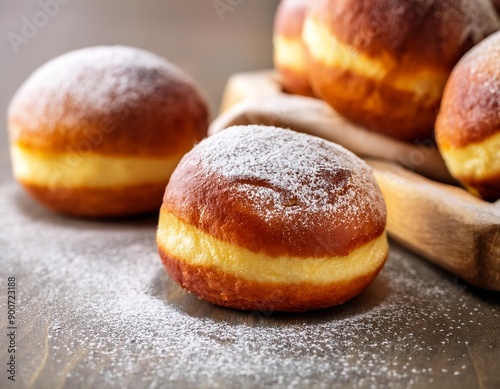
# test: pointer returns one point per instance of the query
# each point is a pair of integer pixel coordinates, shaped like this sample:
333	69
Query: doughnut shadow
33	210
164	287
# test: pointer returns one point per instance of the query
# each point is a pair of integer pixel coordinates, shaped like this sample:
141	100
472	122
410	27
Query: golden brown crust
294	82
471	100
431	33
418	36
409	119
267	212
91	202
111	101
222	288
214	206
289	18
288	23
488	188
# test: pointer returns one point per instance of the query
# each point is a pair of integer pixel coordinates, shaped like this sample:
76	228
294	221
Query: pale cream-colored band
88	170
477	160
195	247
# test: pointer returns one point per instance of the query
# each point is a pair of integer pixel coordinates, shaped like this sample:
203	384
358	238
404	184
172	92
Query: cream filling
476	160
323	46
195	247
289	54
88	170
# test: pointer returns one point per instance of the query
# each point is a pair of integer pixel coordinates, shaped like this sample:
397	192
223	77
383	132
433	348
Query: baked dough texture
289	51
384	63
98	131
261	218
468	125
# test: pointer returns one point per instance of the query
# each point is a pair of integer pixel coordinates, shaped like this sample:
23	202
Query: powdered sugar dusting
483	65
471	104
283	173
97	309
94	79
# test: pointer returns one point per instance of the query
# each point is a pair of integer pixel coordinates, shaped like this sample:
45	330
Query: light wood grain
265	103
444	223
247	86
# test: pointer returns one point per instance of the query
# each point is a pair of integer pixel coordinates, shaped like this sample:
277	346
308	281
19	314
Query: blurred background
210	39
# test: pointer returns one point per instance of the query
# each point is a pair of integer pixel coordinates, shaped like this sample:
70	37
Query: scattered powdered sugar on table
102	312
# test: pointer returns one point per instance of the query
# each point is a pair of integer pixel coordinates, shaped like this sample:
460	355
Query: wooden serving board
426	211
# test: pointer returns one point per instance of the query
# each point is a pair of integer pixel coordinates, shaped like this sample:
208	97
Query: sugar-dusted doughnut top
119	100
278	192
470	111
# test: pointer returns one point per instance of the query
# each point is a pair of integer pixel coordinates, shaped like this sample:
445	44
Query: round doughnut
262	218
97	131
468	124
289	53
384	63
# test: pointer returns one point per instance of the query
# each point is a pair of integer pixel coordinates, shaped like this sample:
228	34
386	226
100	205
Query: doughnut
97	132
384	63
263	218
468	124
289	54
